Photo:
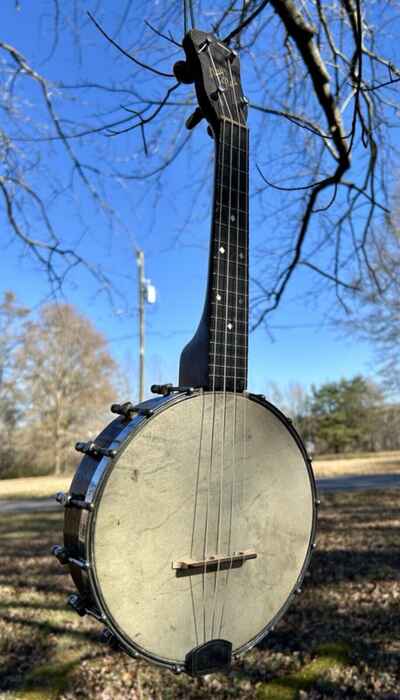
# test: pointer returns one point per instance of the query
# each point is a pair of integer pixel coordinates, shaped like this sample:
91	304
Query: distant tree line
350	415
57	381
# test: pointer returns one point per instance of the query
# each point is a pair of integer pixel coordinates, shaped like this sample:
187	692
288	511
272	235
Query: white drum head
214	474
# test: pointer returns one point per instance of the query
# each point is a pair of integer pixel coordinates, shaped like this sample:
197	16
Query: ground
339	639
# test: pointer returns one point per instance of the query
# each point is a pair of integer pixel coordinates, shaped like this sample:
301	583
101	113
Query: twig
245	23
127	54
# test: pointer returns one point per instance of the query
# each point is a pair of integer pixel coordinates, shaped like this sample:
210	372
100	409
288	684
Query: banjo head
202	526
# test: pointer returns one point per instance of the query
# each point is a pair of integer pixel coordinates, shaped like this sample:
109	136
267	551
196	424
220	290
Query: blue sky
303	345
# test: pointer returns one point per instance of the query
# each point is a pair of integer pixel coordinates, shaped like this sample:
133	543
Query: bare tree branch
127	54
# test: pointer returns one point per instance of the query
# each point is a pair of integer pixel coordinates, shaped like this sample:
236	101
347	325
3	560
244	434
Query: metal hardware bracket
90	448
127	410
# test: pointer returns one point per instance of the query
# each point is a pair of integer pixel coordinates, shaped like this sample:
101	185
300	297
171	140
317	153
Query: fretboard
228	270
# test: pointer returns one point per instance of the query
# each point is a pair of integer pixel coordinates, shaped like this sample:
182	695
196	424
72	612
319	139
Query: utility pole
146	292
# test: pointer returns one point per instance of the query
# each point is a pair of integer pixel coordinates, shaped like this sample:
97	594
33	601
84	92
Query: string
195	514
220	253
222	465
220	155
214	373
235	387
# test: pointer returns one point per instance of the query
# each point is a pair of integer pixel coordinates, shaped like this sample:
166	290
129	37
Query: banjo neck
227	312
216	357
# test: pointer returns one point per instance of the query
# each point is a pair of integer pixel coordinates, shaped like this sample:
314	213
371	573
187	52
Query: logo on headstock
224	80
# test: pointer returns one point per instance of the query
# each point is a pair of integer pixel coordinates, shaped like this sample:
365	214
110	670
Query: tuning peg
219	91
194	118
183	73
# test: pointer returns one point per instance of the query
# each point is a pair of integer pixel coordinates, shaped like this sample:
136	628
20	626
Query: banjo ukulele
190	521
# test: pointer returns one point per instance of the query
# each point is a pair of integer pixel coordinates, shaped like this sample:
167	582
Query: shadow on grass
348	604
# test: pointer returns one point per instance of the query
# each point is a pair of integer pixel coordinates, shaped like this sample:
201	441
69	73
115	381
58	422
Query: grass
339	639
329	656
33	486
367	463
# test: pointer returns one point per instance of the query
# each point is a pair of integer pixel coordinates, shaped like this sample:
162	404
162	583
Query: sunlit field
33	486
368	463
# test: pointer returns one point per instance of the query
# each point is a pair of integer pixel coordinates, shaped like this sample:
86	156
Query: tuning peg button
183	73
194	118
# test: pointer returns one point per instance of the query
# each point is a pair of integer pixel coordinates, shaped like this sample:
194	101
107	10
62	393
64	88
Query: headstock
214	69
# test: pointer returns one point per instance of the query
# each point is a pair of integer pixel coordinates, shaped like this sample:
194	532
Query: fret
238	346
239	367
226	177
228	336
232	190
242	368
238	325
233	161
233	207
238	280
230	293
232	289
234	137
227	320
221	370
234	268
223	292
228	385
229	259
225	376
237	245
241	245
237	314
230	300
237	170
221	303
239	309
234	249
228	379
238	131
231	268
242	361
234	322
231	197
227	365
232	216
225	215
228	144
232	345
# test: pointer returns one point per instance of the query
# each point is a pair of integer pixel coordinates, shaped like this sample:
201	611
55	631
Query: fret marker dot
230	326
240	301
219	297
222	250
233	218
241	256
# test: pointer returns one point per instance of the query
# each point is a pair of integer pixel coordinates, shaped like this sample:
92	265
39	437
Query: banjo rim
96	486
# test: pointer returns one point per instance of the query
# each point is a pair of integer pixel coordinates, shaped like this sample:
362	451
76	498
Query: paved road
359	483
342	483
27	505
